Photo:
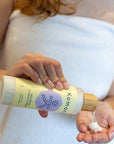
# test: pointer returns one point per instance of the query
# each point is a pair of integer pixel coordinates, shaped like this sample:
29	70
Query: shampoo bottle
25	93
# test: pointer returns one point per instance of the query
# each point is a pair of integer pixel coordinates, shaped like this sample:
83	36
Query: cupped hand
104	116
40	69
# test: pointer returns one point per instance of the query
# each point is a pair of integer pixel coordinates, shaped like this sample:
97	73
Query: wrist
110	100
104	108
2	72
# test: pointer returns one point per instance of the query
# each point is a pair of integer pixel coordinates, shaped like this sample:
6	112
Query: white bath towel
84	47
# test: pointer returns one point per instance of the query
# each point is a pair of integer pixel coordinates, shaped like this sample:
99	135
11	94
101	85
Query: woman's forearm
2	72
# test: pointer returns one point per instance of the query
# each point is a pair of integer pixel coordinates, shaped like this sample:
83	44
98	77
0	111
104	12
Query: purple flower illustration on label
48	101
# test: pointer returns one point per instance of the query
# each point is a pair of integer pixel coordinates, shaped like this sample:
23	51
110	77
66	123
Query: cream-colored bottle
25	93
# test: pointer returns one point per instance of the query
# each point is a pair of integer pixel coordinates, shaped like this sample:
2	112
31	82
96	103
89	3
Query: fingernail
50	84
59	85
95	140
84	129
111	135
44	115
79	139
66	85
39	81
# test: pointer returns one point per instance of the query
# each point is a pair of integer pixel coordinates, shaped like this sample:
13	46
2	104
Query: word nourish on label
68	101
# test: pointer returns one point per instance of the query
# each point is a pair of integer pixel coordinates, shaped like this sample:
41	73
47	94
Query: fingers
83	120
111	125
111	133
30	72
41	70
100	137
25	69
49	67
59	73
43	75
80	137
83	128
105	135
89	137
97	138
50	72
86	137
85	134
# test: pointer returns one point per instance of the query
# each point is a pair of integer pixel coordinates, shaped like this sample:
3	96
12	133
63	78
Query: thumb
83	120
43	114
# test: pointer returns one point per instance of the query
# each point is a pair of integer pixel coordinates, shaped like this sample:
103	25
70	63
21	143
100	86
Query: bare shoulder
6	7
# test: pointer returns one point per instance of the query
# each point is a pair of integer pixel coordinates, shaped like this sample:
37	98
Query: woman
22	34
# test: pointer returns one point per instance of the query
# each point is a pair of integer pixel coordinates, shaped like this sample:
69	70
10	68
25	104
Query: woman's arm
6	7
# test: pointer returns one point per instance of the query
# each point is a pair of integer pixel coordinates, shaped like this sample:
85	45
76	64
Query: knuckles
57	64
37	62
27	56
24	66
38	59
48	63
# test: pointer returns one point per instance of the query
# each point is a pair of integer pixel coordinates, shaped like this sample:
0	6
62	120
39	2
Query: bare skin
6	7
50	73
41	70
5	11
104	115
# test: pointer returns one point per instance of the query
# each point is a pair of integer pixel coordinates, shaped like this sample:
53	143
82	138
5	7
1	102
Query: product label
48	101
30	95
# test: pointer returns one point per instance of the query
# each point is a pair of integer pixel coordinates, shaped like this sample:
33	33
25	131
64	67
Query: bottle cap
90	102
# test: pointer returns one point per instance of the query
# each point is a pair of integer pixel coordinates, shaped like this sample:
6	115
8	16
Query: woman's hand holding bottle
41	70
